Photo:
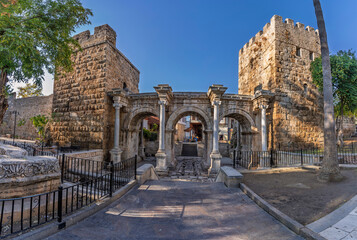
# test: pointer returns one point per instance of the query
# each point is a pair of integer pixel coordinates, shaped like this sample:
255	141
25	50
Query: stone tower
278	59
83	112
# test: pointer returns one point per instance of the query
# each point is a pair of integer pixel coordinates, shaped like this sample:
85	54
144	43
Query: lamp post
13	136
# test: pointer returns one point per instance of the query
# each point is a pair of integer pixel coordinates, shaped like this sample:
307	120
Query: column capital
117	106
263	106
216	103
162	102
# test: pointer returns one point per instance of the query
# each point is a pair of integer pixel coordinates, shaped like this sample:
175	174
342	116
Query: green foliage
344	80
8	90
21	122
154	127
30	90
36	35
40	122
150	135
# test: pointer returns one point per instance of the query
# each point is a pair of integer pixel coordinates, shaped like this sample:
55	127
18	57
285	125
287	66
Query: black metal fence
85	181
289	157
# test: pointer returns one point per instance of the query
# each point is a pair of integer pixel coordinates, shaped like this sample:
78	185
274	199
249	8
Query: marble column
238	136
116	151
265	157
161	164
215	155
141	146
264	127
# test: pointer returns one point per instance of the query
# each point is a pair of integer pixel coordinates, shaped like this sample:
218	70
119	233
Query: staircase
189	149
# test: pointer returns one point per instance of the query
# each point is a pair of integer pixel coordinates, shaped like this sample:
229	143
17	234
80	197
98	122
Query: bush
150	135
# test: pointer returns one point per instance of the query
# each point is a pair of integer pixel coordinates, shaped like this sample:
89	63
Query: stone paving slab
345	229
180	210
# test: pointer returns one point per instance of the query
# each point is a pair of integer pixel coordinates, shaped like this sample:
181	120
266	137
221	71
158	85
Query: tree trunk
330	170
3	100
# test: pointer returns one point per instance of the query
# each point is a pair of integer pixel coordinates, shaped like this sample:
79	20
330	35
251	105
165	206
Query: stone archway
132	131
206	120
247	125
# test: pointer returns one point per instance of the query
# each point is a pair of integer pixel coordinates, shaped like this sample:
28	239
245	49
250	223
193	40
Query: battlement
101	34
277	24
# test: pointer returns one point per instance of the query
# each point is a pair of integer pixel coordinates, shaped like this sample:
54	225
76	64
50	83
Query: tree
40	122
344	85
36	35
330	170
30	90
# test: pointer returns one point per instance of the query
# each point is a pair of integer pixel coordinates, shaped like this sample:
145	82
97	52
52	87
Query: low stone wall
224	149
151	148
26	108
24	177
96	154
178	148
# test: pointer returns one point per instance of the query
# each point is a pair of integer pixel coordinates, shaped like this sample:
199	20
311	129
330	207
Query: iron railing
289	157
21	214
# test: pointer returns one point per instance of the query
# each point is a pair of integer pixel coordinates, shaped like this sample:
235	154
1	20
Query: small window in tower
124	86
298	51
311	56
305	88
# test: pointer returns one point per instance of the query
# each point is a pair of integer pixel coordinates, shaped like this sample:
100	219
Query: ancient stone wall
26	108
278	59
83	110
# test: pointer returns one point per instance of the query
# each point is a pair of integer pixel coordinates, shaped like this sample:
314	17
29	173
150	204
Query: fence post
59	207
136	165
271	158
301	158
62	168
234	158
111	178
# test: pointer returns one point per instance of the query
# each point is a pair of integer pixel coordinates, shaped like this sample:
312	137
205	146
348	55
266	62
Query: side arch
189	110
240	114
131	121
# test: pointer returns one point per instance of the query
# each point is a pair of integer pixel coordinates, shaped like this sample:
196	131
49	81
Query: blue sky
191	44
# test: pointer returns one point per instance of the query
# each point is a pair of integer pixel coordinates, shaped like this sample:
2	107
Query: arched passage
173	119
132	129
246	124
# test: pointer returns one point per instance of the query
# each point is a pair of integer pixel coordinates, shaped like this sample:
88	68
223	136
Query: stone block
146	172
230	177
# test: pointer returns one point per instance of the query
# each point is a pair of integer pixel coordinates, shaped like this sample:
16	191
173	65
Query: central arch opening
188	135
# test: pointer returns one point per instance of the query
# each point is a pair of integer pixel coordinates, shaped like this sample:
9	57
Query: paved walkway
340	224
180	210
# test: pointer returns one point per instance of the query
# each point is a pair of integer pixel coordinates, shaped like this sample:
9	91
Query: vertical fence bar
234	158
136	163
111	169
301	158
62	169
59	210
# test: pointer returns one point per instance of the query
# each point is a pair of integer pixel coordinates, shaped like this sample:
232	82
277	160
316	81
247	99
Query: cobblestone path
180	210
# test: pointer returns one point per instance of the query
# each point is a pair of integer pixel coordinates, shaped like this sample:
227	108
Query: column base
215	163
115	155
161	166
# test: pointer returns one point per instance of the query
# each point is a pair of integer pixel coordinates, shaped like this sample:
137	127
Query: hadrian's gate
98	105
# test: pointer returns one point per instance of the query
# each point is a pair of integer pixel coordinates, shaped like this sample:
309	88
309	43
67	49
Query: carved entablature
215	92
120	96
164	92
30	167
261	98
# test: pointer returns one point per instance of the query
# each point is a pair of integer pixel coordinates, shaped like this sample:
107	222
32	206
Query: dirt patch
299	195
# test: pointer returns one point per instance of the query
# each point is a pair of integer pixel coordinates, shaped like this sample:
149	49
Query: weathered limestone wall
278	58
26	108
84	112
349	126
